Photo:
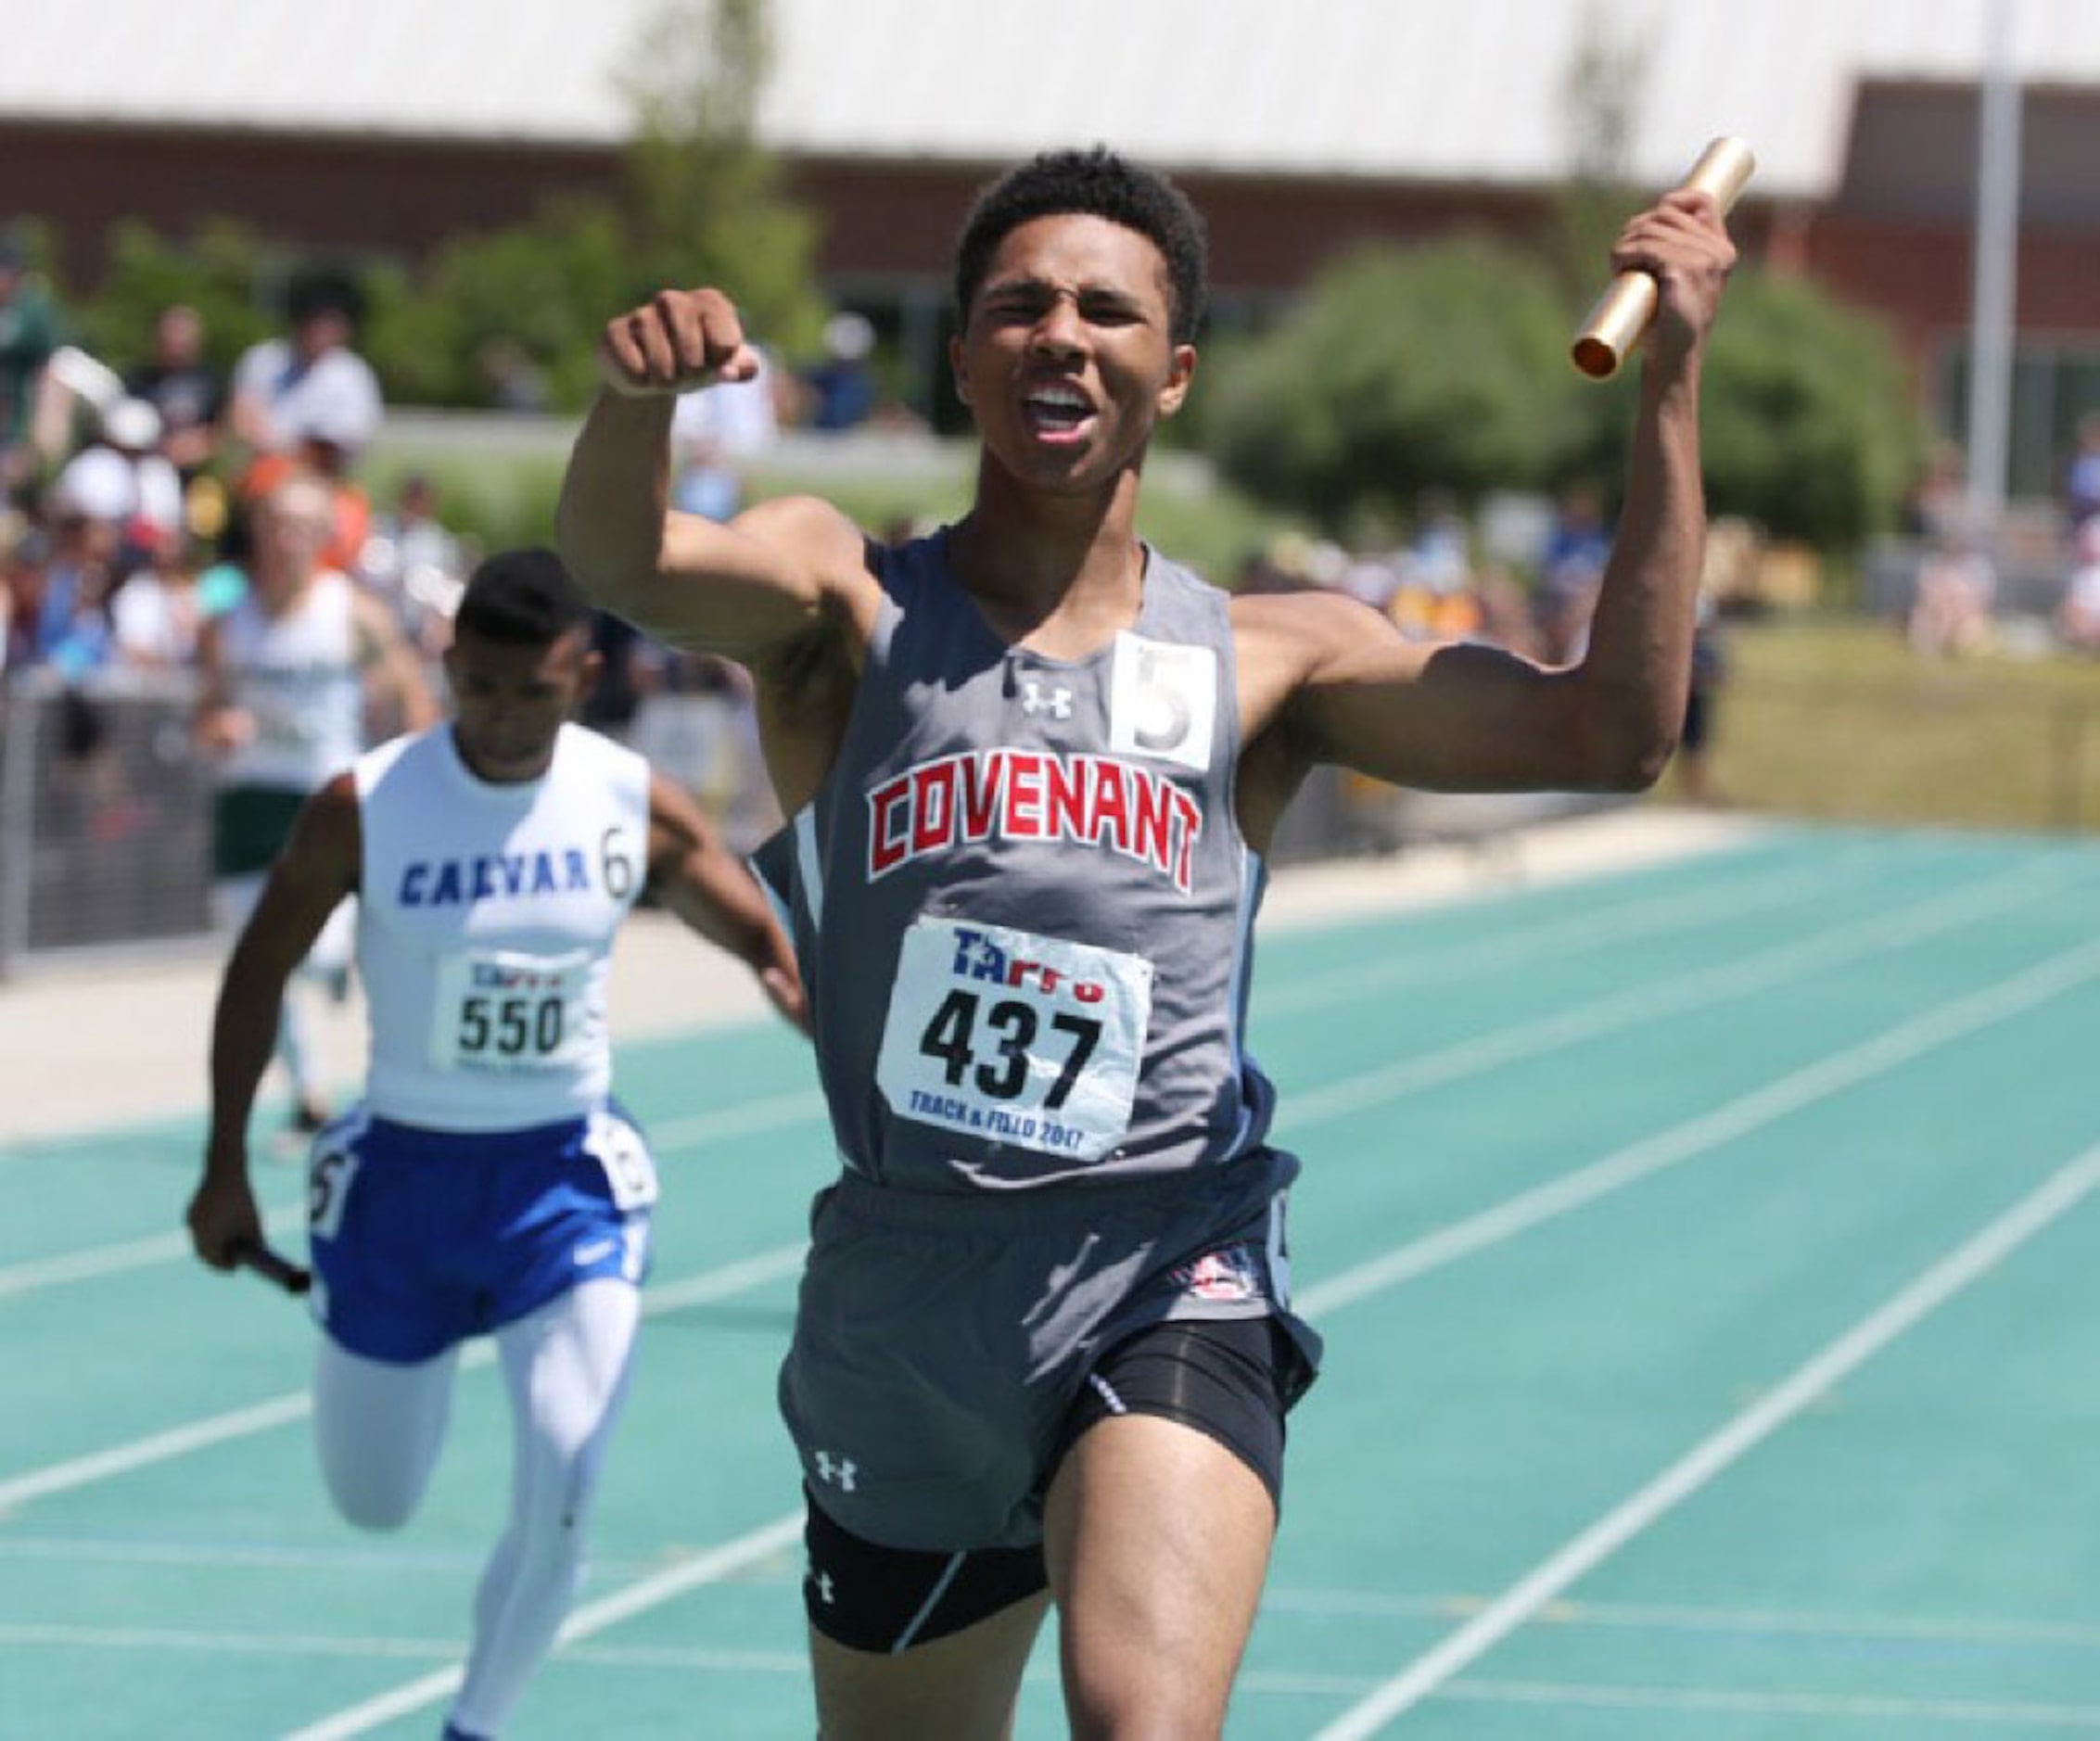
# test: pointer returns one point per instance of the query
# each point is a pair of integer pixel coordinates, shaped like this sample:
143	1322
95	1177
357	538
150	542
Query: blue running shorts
422	1239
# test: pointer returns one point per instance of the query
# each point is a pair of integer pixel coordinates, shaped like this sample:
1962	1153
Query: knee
371	1499
365	1509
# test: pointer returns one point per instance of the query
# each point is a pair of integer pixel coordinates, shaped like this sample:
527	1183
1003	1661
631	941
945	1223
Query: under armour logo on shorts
840	1472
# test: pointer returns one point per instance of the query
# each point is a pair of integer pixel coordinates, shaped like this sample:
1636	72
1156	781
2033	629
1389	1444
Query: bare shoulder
328	838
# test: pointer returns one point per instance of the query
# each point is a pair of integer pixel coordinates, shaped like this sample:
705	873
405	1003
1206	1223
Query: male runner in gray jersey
1044	1347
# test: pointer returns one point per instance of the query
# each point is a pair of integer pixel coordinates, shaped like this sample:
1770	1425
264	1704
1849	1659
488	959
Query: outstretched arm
746	589
1333	681
318	868
712	893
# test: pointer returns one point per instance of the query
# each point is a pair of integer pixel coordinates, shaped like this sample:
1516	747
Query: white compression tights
379	1427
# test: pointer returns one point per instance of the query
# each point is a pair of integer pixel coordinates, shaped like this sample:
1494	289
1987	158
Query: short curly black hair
1098	183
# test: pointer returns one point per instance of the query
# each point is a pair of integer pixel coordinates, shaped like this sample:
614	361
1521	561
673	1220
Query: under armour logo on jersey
839	1471
1057	703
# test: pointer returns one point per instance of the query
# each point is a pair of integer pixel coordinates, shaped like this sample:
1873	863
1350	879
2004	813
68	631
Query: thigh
907	1642
378	1426
962	1687
566	1366
1160	1518
1157	1539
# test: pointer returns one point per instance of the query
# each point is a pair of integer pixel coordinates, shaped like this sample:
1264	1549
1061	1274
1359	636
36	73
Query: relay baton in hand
1615	324
272	1267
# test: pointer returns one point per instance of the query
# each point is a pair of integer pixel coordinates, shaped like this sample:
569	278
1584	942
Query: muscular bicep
1346	687
781	573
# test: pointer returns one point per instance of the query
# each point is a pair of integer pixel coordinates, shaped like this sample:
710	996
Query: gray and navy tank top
1022	903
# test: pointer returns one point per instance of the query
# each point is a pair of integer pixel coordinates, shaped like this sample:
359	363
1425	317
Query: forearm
243	1035
1639	662
740	923
615	494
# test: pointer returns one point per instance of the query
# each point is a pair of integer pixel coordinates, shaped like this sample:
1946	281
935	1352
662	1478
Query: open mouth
1057	414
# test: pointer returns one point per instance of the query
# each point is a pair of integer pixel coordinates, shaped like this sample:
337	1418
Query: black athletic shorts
1230	1377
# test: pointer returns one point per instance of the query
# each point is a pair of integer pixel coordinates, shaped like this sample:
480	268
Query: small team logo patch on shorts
1227	1276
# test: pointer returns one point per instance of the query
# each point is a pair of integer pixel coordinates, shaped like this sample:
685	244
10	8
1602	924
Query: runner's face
509	702
1068	358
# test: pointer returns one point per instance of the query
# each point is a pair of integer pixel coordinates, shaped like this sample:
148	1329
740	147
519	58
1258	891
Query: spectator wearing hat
124	478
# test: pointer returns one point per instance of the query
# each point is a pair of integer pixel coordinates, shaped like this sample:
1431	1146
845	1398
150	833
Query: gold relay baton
1615	324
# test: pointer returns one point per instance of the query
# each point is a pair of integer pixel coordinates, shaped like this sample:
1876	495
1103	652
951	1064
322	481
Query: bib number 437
1016	1038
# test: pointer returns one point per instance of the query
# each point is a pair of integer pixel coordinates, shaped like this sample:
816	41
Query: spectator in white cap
124	478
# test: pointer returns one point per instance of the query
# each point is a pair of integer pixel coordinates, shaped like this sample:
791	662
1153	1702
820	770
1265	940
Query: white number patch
630	1171
329	1173
509	1012
1015	1038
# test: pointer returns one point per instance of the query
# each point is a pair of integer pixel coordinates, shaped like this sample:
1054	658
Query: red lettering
1112	805
1192	830
984	783
1065	797
1087	991
1024	795
933	808
1153	800
884	853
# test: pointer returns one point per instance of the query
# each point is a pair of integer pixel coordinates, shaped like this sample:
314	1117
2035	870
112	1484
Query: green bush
1812	428
1442	367
1447	367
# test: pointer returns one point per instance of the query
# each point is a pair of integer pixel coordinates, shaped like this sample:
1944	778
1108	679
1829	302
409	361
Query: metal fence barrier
105	815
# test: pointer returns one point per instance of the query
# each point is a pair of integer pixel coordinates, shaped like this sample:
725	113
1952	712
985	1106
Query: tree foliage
1398	372
1811	426
1447	368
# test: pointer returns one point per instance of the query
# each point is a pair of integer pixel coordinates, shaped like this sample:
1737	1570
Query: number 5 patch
1014	1038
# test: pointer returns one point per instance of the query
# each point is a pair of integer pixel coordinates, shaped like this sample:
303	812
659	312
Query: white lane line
1637	1005
1983	1251
711	1567
1983	1632
1568	1027
1819	1081
1648	916
94	1262
1996	1716
278	1411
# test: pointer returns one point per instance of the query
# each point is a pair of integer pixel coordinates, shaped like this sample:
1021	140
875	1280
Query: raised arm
712	892
317	869
1327	680
783	574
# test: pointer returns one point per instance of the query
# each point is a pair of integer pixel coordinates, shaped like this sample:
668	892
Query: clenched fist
676	341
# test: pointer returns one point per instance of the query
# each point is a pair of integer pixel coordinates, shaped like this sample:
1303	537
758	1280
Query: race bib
511	1013
1015	1038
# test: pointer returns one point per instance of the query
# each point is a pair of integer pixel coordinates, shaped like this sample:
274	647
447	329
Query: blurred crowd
130	482
1959	603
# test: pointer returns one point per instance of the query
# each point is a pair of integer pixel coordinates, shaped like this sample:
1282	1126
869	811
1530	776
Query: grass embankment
1839	718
